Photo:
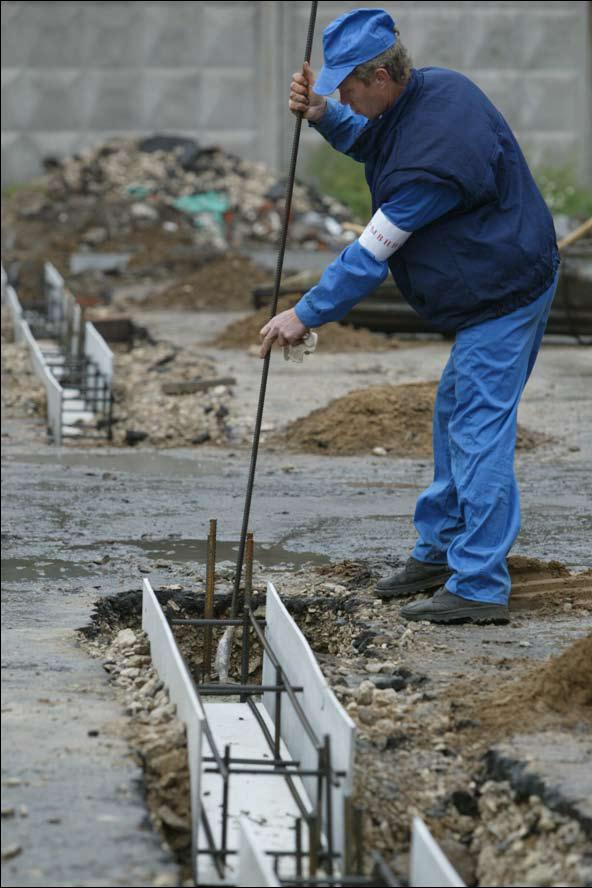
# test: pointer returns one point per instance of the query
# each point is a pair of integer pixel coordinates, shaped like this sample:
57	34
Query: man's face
369	99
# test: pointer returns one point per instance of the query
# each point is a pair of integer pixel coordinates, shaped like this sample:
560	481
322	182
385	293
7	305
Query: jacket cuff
306	313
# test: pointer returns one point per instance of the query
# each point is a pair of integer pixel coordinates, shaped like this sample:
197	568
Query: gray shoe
415	576
444	607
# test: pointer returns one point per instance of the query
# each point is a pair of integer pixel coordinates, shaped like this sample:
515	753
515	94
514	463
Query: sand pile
221	283
332	337
561	685
547	586
397	418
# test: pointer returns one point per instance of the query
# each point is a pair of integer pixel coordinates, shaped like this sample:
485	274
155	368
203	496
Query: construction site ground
503	781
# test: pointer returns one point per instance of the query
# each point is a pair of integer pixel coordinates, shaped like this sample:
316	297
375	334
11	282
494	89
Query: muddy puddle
140	462
27	569
196	550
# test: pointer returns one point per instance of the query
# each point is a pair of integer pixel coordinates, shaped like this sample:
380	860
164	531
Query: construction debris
22	393
169	397
221	193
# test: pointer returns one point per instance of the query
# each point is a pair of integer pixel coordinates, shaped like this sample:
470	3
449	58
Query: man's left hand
285	328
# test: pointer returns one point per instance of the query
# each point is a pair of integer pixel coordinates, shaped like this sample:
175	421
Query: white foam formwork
324	712
16	313
263	799
254	866
429	866
53	389
55	290
98	351
173	672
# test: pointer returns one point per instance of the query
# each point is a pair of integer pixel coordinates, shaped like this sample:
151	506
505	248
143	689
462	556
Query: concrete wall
75	73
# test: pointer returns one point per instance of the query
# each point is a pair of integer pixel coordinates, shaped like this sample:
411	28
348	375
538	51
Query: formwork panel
325	713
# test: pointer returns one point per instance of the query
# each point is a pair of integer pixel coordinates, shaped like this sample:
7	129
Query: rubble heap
22	393
146	412
229	199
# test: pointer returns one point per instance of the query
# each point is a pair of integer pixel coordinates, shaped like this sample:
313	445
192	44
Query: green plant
562	194
342	178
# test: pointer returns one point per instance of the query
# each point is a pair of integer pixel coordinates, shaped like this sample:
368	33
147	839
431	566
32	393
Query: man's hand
285	328
302	97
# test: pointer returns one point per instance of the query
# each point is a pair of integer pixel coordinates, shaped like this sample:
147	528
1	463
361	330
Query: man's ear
382	76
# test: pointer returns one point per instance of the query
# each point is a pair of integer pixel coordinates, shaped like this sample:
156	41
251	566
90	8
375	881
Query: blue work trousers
469	516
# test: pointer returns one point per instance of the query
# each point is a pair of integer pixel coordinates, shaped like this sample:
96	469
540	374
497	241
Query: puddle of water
226	550
136	462
26	569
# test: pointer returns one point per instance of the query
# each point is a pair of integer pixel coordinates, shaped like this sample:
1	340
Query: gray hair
395	59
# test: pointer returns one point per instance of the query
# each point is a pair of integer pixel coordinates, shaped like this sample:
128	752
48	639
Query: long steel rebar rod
276	290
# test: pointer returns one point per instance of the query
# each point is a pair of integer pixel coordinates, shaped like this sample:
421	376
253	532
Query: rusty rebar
209	602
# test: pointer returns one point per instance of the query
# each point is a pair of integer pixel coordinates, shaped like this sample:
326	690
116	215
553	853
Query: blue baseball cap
353	38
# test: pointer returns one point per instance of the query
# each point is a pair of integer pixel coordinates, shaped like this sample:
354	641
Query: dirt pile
332	337
560	688
397	419
222	283
547	586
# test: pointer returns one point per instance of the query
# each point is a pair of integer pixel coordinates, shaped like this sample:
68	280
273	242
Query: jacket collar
395	112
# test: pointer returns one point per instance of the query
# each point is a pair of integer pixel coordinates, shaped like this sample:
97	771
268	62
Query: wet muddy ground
81	525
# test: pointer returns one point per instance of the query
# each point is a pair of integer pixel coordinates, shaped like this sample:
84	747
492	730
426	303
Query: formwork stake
209	602
247	608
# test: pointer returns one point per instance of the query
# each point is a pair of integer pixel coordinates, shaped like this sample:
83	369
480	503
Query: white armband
381	238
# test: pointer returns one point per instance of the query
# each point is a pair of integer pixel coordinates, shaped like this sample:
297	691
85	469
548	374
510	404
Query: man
459	221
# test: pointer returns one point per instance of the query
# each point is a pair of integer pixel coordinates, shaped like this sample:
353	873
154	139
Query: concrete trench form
275	806
68	348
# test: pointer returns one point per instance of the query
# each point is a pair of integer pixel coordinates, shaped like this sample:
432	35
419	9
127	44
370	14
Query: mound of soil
547	586
332	337
561	685
395	417
223	283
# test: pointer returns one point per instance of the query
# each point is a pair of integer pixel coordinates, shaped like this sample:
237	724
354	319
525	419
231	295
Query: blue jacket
496	252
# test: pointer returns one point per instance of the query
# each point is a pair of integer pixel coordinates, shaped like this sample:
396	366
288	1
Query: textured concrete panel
550	101
227	100
43	35
171	99
230	34
31	100
548	38
112	101
494	40
174	34
220	71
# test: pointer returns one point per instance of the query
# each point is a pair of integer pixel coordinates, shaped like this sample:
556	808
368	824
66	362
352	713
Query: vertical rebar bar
328	804
110	416
277	738
298	836
209	600
246	609
276	293
358	830
225	792
347	836
313	845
